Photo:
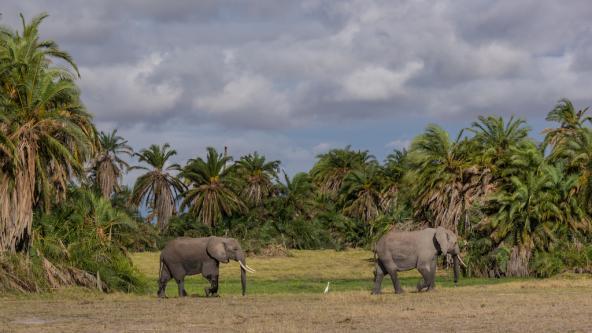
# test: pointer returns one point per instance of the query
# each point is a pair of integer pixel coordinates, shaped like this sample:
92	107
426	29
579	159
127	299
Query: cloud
399	144
292	65
191	141
298	70
124	91
249	98
321	148
378	83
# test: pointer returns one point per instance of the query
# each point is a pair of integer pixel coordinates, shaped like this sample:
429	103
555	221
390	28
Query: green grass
302	272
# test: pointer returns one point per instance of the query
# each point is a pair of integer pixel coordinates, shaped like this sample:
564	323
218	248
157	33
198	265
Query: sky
293	79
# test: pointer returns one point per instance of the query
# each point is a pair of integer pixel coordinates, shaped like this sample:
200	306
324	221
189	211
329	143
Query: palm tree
528	212
361	192
210	195
296	196
158	188
576	153
298	193
493	139
47	136
109	167
571	216
258	176
570	122
443	179
393	171
518	220
333	166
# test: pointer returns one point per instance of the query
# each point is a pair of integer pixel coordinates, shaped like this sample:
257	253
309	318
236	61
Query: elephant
398	251
189	256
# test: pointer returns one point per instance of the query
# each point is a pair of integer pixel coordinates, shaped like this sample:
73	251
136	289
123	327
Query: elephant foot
210	293
375	292
400	291
162	296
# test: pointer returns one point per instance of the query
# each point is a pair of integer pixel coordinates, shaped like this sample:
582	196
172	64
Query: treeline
522	207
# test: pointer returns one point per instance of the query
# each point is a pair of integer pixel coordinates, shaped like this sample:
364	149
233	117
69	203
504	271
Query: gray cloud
273	64
268	66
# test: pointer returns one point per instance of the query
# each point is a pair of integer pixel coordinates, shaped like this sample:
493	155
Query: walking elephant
399	251
189	256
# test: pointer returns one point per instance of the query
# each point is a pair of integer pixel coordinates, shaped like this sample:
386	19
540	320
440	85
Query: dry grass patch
556	305
285	295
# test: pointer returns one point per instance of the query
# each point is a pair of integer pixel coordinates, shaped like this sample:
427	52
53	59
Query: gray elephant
189	256
399	251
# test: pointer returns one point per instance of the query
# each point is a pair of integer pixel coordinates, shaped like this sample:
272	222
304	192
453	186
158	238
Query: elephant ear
216	248
443	239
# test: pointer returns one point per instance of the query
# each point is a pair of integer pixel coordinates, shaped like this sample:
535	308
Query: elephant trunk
243	276
456	268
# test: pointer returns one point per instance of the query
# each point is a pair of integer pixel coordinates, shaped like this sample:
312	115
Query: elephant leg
213	290
181	285
378	276
432	274
421	285
428	274
391	269
210	271
165	276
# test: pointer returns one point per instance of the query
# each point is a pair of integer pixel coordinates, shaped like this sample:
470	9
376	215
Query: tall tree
158	188
361	192
570	122
576	153
47	135
443	179
393	171
211	195
333	166
298	194
494	138
257	175
108	167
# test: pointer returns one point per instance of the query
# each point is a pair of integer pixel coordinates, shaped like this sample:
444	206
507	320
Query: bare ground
555	305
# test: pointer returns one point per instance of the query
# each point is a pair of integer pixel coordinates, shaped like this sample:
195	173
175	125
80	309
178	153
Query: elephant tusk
249	267
461	261
246	268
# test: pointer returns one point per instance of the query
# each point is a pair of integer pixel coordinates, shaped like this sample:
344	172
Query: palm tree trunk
16	203
519	259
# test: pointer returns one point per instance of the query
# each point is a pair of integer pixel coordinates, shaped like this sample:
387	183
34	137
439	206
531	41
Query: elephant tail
163	266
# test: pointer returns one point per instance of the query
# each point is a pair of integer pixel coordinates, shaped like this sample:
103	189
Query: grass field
285	295
302	272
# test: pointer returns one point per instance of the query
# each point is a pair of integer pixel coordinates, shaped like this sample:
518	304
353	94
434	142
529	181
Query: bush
564	257
484	260
87	235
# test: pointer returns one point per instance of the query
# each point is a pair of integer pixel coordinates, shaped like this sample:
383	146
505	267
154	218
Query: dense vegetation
522	207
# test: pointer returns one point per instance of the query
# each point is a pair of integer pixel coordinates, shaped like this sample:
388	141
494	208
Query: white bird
327	288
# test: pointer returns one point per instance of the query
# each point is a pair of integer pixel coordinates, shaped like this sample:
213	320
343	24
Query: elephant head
225	249
448	243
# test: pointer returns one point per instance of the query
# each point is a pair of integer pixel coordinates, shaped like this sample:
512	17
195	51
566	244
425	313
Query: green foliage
108	166
211	188
256	178
517	209
566	256
87	233
158	188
